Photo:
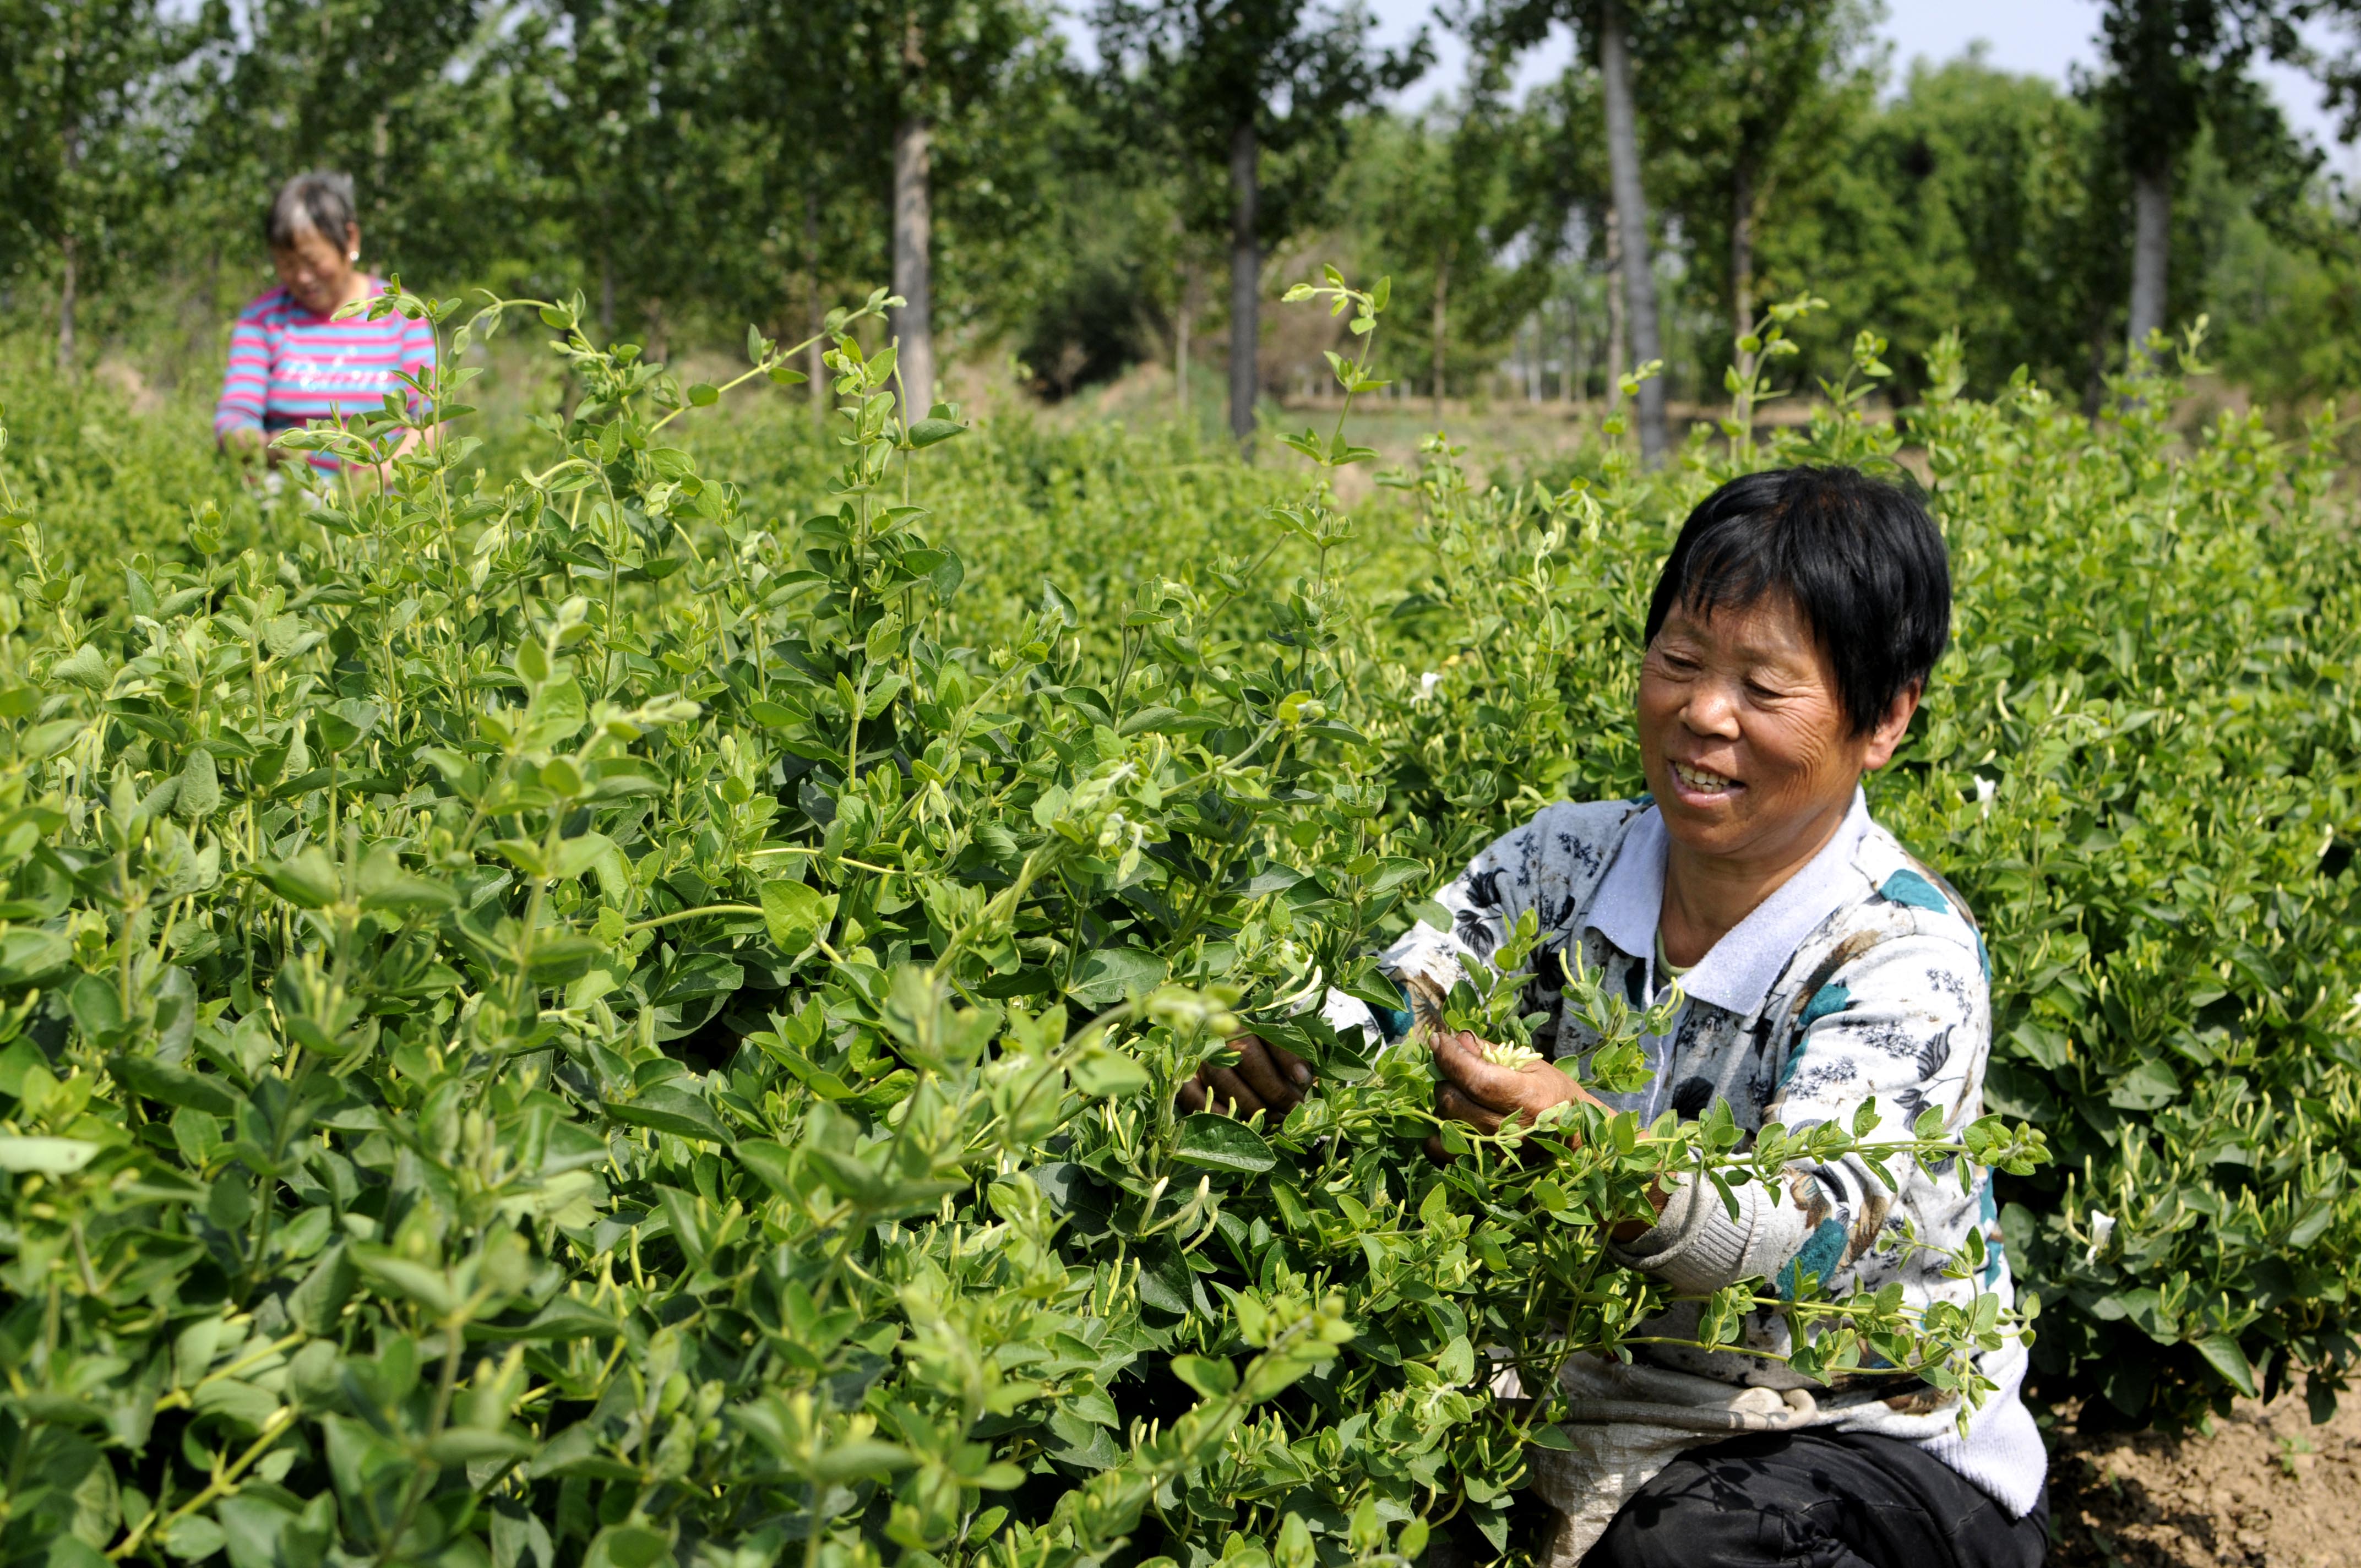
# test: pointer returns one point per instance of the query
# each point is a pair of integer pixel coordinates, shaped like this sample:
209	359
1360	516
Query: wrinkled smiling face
1742	734
317	272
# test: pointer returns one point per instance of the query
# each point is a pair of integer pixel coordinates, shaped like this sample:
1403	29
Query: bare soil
2265	1489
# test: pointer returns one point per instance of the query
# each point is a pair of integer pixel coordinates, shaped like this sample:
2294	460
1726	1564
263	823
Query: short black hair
1859	558
321	201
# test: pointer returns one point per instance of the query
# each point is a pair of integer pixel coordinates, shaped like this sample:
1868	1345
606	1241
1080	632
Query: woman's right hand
1266	1079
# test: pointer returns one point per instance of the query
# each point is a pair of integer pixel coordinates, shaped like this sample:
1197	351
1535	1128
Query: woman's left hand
1484	1095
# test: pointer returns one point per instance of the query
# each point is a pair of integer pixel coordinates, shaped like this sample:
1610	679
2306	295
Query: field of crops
619	1004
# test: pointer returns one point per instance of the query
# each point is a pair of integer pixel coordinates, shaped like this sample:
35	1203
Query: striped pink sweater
288	366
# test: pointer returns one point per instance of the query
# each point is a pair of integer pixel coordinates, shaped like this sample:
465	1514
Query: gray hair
321	201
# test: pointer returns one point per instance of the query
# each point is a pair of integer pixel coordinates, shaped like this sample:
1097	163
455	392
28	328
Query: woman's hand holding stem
1480	1094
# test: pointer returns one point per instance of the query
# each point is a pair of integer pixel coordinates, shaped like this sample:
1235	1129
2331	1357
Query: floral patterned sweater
1863	976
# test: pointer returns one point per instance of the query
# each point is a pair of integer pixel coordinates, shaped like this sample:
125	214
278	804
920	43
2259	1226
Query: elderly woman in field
1789	641
291	361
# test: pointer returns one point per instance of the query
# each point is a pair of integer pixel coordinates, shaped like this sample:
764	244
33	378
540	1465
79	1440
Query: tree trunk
1183	320
914	261
912	322
1442	327
1631	209
606	280
1574	385
1616	340
70	273
380	155
2151	250
815	372
1246	277
1742	265
67	280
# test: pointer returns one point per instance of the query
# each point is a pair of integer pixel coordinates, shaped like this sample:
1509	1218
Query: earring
354	256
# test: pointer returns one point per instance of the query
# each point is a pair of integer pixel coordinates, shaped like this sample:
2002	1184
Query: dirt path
2267	1489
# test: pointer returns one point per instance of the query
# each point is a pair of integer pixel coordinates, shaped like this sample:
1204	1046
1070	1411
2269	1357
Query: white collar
1738	972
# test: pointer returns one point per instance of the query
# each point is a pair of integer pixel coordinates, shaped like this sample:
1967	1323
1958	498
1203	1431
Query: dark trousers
1814	1500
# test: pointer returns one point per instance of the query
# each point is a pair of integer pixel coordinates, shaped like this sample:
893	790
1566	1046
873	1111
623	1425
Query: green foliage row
608	1016
567	1019
2139	762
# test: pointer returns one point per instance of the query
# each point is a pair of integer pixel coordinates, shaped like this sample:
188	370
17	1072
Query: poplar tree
1604	32
1751	96
2175	69
921	65
86	136
1263	89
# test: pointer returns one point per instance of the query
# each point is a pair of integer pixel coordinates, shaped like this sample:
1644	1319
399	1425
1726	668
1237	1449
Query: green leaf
1055	602
1212	1376
847	1460
385	887
315	1303
467	1445
260	1533
43	742
308	880
2147	1087
574	1452
796	913
96	1007
431	1287
770	1162
628	1546
579	854
2222	1353
84	667
174	1086
193	1538
49	1156
669	1109
1106	977
200	792
1224	1143
1104	1073
72	1551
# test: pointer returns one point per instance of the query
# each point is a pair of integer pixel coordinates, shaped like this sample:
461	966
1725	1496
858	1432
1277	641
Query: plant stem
224	1483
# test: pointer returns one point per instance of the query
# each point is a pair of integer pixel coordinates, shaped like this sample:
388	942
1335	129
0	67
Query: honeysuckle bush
2162	652
559	1018
2138	762
111	473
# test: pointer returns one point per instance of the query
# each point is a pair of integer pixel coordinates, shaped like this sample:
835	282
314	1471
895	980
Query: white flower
1985	789
2102	1226
1426	684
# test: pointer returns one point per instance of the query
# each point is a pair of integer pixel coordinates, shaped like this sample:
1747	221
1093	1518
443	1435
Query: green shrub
2154	675
107	481
554	1021
2138	762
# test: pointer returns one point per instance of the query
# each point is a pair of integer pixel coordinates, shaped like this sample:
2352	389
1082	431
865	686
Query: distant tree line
693	165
